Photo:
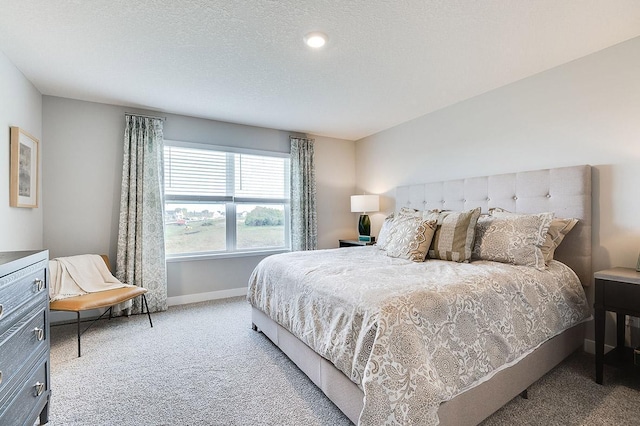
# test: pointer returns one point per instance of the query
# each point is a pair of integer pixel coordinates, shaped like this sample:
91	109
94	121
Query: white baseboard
590	347
203	297
62	317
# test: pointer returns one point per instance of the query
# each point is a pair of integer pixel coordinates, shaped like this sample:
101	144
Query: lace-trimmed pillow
514	239
387	229
385	232
454	236
558	229
409	238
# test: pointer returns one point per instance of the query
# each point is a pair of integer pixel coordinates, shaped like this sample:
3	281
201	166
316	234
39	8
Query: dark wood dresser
24	338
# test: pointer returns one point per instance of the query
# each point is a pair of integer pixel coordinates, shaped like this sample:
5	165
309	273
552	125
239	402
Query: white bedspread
77	275
414	335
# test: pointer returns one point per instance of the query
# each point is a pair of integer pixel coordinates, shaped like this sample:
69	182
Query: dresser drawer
19	345
29	399
25	286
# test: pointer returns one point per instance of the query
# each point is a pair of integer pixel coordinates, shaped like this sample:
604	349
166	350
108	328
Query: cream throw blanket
77	275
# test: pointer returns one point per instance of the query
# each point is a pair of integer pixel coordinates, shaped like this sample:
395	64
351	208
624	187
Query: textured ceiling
386	62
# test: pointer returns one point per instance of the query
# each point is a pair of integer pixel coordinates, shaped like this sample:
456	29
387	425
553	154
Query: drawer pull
1	310
39	388
39	333
39	284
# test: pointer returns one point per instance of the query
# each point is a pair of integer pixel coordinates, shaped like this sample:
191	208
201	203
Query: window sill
225	255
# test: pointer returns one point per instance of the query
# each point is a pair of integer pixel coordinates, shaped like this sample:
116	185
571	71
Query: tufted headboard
565	191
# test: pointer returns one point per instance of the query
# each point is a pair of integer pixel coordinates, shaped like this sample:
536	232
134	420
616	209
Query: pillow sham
514	239
406	211
558	229
454	235
410	238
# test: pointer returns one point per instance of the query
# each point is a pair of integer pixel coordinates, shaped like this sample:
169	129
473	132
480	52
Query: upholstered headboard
565	191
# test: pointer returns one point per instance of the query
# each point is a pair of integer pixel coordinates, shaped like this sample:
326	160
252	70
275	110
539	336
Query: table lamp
363	204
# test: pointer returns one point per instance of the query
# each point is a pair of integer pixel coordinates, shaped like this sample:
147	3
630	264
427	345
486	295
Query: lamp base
364	225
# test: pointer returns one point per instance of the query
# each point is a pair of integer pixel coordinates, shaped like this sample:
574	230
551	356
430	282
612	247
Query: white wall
83	166
583	112
20	106
336	182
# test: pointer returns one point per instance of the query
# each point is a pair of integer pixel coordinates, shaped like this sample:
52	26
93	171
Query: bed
367	299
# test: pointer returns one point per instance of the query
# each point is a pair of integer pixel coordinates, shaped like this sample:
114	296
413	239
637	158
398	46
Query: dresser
24	338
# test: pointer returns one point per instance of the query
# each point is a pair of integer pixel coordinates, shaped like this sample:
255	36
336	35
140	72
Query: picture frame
24	181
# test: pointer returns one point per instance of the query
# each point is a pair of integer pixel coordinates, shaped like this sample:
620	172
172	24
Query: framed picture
25	157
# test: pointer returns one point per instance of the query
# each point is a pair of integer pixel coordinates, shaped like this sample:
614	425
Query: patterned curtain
304	226
140	258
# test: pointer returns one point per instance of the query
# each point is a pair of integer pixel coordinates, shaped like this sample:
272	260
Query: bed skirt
468	408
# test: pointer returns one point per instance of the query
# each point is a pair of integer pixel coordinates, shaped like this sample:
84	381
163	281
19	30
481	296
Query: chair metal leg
144	299
144	305
79	333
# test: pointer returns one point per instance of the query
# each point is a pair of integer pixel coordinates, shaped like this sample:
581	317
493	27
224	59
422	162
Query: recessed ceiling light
315	39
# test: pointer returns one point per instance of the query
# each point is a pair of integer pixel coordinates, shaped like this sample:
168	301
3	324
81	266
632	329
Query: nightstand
617	290
355	243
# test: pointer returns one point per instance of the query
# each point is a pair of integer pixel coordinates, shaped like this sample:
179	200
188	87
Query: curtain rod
146	116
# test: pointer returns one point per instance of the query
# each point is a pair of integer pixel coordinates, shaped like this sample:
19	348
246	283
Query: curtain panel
140	255
304	226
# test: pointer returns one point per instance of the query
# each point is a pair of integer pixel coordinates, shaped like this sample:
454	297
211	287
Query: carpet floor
201	364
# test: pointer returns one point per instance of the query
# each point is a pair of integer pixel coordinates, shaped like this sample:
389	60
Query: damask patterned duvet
414	335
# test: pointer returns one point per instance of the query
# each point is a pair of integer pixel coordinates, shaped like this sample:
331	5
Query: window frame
230	202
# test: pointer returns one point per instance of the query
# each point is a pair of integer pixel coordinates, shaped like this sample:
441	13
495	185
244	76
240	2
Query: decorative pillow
454	236
514	239
385	232
558	229
410	238
387	229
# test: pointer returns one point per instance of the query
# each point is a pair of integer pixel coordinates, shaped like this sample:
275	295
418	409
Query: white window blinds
209	175
257	176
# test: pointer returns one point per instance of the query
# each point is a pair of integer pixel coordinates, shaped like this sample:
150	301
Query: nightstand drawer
622	296
356	243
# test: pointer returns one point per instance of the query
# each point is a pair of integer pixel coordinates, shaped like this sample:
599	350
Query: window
220	200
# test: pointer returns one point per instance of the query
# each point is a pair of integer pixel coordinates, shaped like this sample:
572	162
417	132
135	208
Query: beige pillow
455	234
558	229
514	239
410	238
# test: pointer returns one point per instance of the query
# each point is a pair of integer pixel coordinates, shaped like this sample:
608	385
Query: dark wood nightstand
617	290
354	243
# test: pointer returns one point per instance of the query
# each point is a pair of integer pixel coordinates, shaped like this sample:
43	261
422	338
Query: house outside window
221	200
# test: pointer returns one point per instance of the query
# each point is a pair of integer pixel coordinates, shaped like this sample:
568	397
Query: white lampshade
365	203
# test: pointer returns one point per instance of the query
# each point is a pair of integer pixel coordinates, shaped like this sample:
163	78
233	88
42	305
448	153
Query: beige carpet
201	364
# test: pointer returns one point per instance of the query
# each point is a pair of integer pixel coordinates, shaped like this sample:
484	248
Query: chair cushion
100	299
